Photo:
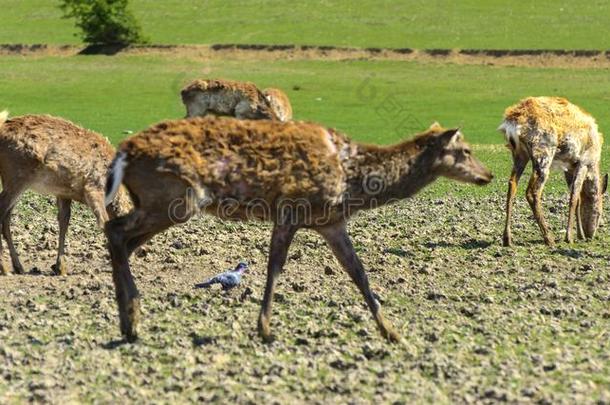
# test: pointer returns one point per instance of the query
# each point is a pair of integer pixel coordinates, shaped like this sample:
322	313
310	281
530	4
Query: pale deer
296	175
280	104
221	97
55	157
554	133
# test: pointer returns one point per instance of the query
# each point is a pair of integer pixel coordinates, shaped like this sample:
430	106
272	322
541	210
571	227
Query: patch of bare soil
481	323
589	59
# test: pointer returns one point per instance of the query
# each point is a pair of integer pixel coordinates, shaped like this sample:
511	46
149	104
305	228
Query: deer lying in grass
280	104
241	100
552	132
53	156
297	175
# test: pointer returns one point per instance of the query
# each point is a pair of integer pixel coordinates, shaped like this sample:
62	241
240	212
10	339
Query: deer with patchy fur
241	100
296	175
55	157
280	103
551	132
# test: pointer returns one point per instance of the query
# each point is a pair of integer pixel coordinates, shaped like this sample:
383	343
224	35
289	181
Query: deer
53	156
296	175
280	103
551	132
241	100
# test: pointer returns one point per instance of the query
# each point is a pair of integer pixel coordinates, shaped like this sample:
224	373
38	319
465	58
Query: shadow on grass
469	244
115	343
108	50
200	340
578	254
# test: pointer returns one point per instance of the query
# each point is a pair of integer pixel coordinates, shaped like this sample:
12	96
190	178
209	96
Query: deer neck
381	175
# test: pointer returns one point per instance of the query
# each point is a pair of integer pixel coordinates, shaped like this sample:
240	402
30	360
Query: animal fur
280	103
293	174
554	133
226	98
53	156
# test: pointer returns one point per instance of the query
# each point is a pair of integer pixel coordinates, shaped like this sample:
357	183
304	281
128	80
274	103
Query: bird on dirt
228	279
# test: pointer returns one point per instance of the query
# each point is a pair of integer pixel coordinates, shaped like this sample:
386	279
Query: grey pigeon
228	279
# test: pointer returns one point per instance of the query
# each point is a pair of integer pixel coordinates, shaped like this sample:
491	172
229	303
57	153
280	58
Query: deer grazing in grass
296	175
53	156
552	132
241	100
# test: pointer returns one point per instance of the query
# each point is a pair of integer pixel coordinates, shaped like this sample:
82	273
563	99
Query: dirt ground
481	323
573	59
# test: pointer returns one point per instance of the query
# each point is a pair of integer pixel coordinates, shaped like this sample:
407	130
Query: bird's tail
206	284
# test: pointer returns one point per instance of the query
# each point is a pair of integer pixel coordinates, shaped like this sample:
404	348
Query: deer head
455	160
591	203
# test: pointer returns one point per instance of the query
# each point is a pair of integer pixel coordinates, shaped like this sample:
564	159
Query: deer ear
605	184
435	126
449	136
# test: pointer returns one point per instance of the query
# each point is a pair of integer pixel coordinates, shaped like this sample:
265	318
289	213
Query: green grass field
411	23
481	323
377	102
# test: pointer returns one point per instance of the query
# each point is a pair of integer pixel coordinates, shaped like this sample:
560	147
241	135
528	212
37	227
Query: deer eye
467	152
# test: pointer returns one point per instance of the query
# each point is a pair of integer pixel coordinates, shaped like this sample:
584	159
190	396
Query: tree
104	22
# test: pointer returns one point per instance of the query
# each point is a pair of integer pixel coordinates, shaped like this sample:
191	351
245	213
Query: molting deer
241	100
278	168
53	156
552	132
280	103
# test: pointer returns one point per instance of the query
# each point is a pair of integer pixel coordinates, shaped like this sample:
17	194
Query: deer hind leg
281	239
63	218
95	200
124	235
337	238
578	179
519	164
569	176
540	174
11	192
580	233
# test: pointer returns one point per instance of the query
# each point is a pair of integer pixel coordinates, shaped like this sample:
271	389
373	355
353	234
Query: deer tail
115	177
3	117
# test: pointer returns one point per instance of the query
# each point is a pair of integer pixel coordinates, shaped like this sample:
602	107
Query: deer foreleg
578	180
519	164
337	238
281	239
540	174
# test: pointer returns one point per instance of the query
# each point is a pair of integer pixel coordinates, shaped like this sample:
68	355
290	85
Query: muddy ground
551	58
481	323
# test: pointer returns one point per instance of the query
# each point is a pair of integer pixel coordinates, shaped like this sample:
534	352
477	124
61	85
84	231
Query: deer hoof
129	333
5	268
264	331
60	268
507	241
131	337
391	336
18	268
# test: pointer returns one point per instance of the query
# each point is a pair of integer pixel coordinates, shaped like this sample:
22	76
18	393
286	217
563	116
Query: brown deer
221	97
55	157
296	174
280	104
551	132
